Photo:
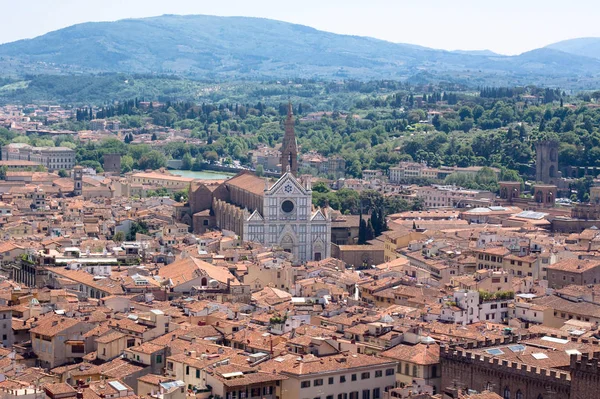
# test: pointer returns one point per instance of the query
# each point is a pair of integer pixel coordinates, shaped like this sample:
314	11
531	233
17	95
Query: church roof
248	182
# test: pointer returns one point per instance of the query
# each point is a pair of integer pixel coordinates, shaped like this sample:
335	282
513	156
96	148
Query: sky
506	27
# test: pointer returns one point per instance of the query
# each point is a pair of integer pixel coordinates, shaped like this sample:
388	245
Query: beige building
417	362
275	273
490	258
573	271
111	345
164	180
352	376
57	340
395	240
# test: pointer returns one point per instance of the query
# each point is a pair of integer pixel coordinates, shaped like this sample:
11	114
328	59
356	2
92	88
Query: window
391	371
329	397
330	382
342	379
366	394
158	358
354	379
415	371
318	383
305	384
519	395
365	376
187	370
506	393
378	373
197	373
343	396
433	371
406	370
376	393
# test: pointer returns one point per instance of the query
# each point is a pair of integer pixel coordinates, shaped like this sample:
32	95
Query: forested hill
238	47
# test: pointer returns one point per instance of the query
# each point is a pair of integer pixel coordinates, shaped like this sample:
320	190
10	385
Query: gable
286	183
318	216
255	217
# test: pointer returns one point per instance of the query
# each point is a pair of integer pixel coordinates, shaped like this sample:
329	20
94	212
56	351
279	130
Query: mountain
585	46
477	52
229	48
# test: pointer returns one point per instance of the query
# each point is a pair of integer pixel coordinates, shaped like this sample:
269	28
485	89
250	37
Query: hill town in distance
368	220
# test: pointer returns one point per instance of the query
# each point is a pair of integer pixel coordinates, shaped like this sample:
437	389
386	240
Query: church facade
276	215
289	222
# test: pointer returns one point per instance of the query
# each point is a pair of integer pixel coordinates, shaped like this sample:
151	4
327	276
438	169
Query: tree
362	232
63	173
181	196
187	161
126	164
137	227
119	236
154	137
370	232
418	204
211	156
152	160
260	170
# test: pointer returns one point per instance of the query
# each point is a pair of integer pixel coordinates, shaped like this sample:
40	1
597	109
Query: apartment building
57	340
339	376
53	158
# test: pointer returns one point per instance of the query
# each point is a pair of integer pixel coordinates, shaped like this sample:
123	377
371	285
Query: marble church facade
278	215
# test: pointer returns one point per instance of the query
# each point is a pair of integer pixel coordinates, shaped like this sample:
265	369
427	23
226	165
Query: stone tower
112	163
289	147
546	164
78	180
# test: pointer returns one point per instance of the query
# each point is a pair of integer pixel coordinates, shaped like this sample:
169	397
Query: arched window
519	395
506	393
203	282
540	396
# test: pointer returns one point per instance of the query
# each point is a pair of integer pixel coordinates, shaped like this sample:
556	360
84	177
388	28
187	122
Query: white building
289	221
466	308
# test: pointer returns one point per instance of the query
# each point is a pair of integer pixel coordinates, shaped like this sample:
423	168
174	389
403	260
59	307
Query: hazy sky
506	26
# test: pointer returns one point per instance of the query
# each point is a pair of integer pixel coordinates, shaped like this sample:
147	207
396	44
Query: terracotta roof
574	265
248	182
59	388
51	325
310	364
420	354
189	268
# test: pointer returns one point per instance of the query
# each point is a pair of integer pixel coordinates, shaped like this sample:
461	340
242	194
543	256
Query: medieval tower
546	164
289	147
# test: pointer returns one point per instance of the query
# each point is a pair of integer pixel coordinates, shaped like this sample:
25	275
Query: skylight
517	348
555	340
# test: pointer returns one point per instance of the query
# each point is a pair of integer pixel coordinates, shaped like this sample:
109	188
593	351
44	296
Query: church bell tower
289	147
